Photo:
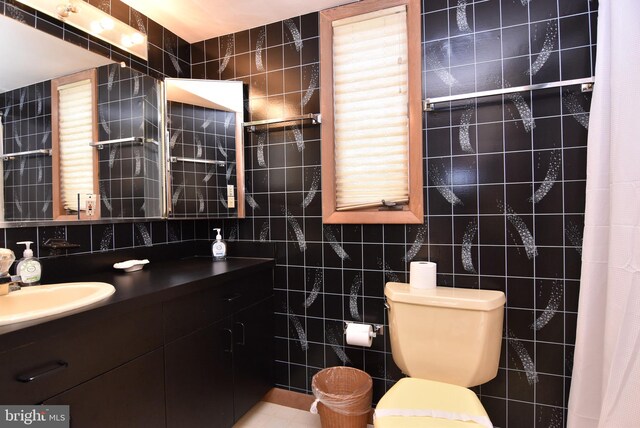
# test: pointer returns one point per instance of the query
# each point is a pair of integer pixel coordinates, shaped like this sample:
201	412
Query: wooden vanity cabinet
198	360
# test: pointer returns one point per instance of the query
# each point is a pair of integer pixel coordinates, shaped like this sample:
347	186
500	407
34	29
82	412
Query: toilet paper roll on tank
422	275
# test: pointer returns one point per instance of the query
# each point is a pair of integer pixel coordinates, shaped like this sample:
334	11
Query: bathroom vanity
183	343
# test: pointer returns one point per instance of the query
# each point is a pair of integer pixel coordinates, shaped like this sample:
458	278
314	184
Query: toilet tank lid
462	298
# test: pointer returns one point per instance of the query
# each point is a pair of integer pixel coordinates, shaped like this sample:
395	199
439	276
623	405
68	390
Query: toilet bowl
445	339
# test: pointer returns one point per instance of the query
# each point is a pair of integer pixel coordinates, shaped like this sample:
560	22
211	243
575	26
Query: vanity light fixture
95	22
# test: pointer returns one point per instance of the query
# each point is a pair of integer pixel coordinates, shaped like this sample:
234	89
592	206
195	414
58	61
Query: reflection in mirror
129	143
129	108
30	60
205	154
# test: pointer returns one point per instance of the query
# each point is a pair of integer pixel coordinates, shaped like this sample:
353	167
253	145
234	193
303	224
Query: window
74	128
371	108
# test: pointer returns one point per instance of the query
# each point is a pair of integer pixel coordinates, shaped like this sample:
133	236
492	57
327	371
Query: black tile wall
26	119
504	185
504	193
129	106
201	134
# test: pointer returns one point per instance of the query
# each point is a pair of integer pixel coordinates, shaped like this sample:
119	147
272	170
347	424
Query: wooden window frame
59	213
413	213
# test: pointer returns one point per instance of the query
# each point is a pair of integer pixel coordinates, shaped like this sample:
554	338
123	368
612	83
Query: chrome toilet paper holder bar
378	329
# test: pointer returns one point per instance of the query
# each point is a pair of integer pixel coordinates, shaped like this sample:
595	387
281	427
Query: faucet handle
8	279
9	283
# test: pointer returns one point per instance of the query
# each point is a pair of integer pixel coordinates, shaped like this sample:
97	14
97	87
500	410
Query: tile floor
269	415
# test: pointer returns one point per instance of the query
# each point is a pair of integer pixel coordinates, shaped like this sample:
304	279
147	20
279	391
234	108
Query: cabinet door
198	378
253	355
131	395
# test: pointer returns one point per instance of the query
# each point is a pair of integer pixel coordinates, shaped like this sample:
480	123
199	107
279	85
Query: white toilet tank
451	335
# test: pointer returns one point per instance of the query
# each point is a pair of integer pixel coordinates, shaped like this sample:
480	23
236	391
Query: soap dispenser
29	268
219	248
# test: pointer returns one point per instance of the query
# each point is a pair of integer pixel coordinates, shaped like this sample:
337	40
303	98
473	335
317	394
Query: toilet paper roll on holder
378	329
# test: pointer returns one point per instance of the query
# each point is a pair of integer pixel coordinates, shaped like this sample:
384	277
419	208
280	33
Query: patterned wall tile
128	107
201	134
26	120
504	193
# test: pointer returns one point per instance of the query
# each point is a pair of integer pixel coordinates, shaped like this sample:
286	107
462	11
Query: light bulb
126	41
137	38
107	23
96	28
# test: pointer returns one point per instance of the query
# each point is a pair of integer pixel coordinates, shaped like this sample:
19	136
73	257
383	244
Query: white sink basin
44	300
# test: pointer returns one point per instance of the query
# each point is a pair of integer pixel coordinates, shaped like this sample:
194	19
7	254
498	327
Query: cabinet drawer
200	309
37	371
196	310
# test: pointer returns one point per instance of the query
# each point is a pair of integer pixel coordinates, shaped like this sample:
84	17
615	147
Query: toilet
446	340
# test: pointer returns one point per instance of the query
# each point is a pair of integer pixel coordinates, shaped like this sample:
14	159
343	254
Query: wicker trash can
343	397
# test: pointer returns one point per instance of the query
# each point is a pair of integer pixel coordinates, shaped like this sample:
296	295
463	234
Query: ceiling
31	56
196	20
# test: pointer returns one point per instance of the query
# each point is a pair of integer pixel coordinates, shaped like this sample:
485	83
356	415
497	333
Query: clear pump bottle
29	267
219	247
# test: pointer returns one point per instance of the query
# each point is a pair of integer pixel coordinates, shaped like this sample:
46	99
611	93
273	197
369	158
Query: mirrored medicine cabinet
169	149
204	148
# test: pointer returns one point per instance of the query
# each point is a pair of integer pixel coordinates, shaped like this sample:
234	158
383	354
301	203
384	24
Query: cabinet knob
231	298
50	368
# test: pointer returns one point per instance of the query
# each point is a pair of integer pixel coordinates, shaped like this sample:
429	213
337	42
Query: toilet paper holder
378	329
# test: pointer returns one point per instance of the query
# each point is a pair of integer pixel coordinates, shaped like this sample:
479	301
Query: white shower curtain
605	389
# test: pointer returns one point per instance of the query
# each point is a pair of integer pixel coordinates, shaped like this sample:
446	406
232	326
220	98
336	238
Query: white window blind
76	134
371	116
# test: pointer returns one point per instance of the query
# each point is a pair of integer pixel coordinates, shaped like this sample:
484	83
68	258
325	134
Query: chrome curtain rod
175	159
314	117
100	144
10	156
586	83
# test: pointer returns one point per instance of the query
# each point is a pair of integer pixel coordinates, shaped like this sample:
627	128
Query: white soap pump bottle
29	267
219	247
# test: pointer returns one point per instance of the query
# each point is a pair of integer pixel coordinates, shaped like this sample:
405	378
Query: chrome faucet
9	283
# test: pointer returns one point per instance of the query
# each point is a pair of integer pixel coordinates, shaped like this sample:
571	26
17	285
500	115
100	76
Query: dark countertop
156	283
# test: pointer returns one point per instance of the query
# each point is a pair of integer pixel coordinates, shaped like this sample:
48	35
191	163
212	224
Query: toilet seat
422	403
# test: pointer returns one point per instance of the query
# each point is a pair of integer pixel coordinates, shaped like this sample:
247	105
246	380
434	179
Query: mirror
130	112
204	148
130	109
